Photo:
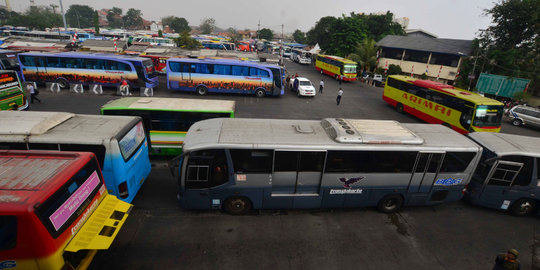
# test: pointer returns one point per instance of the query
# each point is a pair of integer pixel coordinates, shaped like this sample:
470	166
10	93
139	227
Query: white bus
242	164
301	56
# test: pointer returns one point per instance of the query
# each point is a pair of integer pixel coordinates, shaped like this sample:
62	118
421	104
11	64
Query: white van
524	115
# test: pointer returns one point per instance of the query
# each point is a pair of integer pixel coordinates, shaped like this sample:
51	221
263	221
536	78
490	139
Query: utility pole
258	28
63	15
282	31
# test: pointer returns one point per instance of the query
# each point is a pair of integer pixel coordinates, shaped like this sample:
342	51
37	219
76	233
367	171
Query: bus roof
54	127
508	144
339	134
449	89
171	104
222	61
87	55
28	176
338	58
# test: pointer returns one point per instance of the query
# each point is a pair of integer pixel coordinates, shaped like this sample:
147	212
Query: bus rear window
60	210
131	141
8	232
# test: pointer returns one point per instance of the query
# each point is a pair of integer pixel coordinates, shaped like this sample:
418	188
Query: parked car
524	115
305	87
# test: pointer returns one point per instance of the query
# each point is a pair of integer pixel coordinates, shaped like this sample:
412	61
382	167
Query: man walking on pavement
339	94
321	86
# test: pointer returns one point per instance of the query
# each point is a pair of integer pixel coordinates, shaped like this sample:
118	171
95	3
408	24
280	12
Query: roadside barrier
76	88
147	92
53	87
96	89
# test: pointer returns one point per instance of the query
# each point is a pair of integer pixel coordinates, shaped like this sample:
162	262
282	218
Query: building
421	53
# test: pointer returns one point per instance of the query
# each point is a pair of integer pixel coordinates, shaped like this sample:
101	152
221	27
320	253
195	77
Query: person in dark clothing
295	84
288	80
507	261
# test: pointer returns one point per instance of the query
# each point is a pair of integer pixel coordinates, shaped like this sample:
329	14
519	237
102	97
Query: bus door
41	67
499	182
423	177
186	71
296	180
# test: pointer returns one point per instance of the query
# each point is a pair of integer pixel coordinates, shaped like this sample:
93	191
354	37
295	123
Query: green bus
168	119
12	96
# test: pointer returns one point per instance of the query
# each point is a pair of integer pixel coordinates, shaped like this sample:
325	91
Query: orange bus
439	103
337	67
55	212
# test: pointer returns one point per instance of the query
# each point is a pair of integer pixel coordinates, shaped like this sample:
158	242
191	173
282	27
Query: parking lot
160	235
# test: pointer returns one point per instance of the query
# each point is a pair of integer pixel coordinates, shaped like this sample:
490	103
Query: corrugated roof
440	45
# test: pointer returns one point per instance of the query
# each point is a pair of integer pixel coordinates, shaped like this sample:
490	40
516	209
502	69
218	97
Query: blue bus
224	76
508	175
87	68
119	143
240	164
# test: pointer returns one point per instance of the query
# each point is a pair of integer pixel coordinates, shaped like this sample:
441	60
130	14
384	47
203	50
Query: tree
234	35
177	24
36	18
265	33
394	70
321	33
207	26
114	17
299	36
80	16
133	19
96	23
365	54
160	33
187	42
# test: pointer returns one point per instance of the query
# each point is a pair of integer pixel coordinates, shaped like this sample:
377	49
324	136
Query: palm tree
365	54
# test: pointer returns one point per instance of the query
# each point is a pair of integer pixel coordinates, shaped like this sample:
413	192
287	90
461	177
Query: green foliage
185	41
37	18
522	96
96	22
177	24
299	36
234	35
265	33
114	17
80	16
394	70
365	54
133	19
424	76
160	33
322	33
207	26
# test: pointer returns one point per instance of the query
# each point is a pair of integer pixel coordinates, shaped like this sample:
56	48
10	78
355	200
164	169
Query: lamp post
78	22
63	14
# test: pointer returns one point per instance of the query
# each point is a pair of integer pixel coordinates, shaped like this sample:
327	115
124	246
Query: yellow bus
439	103
337	67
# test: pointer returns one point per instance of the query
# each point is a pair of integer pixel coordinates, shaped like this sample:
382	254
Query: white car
305	88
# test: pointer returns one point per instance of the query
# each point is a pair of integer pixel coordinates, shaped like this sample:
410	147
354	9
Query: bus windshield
349	69
486	116
149	67
131	141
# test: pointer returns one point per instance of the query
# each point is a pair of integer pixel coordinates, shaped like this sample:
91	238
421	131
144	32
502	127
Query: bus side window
456	162
98	150
252	161
13	146
43	146
8	232
524	177
174	66
207	168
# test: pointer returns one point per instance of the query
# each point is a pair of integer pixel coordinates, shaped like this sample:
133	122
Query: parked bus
55	212
168	119
242	164
224	76
119	143
8	60
156	41
12	95
337	67
301	56
508	175
439	103
87	68
228	46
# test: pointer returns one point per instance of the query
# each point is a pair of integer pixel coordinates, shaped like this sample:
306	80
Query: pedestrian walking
321	86
339	94
288	81
507	261
295	84
33	93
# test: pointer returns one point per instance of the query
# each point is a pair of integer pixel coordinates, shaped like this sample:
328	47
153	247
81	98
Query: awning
102	227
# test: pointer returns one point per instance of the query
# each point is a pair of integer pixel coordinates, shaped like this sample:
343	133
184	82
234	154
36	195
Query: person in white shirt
339	94
321	86
33	93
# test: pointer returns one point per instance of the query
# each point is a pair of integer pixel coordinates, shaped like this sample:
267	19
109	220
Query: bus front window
349	69
488	116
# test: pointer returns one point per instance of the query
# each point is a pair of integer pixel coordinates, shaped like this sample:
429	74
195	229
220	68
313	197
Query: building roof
439	45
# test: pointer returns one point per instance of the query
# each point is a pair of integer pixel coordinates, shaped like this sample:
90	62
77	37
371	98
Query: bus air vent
303	129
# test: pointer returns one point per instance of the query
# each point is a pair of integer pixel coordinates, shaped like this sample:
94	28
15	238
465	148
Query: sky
457	19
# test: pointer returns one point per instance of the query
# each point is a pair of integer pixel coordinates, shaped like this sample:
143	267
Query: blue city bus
224	76
119	143
508	174
240	164
87	68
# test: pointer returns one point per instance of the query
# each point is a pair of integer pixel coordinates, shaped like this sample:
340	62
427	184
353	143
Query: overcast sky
459	19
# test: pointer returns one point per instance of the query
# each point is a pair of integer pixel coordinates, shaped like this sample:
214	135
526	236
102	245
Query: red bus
55	212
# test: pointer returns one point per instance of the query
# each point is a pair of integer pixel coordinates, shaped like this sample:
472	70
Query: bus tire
399	108
202	90
237	206
516	122
62	83
390	203
523	207
260	93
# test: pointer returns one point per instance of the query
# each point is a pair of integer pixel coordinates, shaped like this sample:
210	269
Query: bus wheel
260	93
237	206
63	83
202	90
523	207
399	108
516	122
390	203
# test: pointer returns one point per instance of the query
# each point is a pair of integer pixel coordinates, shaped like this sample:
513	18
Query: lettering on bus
345	191
8	264
84	217
448	182
114	72
427	104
